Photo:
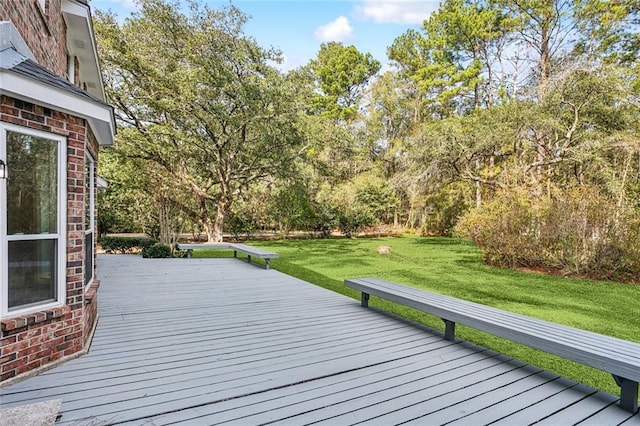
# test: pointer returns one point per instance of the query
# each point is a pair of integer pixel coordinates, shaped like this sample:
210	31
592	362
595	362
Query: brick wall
44	31
33	340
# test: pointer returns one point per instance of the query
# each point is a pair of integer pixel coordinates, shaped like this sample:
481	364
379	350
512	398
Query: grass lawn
454	267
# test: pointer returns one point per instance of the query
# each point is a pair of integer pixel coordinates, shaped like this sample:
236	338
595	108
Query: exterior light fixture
3	170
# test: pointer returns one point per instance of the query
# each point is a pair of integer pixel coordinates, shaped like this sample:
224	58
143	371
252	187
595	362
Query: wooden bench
243	248
619	357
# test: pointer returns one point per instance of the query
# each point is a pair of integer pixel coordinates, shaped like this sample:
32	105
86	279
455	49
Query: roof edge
99	115
11	38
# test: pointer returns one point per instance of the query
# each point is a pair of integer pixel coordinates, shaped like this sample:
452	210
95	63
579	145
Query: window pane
32	272
32	187
88	256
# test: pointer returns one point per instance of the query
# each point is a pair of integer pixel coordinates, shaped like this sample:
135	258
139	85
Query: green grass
454	267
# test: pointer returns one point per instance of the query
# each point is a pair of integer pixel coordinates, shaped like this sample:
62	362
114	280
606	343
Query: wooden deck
212	341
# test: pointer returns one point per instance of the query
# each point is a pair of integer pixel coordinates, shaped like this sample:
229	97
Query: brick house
53	118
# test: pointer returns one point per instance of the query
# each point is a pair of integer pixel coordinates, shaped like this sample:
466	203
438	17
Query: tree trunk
209	228
221	212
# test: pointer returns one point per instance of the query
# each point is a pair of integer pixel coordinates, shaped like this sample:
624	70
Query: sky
299	27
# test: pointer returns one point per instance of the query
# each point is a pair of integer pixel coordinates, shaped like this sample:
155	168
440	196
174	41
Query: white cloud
338	30
118	4
396	11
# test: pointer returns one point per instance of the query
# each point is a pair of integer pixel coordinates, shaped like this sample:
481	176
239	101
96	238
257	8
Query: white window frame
62	223
71	69
92	216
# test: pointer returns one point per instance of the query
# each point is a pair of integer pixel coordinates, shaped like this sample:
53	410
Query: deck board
217	341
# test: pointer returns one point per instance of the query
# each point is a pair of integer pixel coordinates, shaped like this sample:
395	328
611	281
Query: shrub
125	244
354	220
581	231
239	224
156	251
322	220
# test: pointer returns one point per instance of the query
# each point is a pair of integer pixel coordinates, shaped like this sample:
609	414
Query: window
89	218
32	220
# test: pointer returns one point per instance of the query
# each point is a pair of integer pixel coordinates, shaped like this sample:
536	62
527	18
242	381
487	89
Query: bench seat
619	357
250	251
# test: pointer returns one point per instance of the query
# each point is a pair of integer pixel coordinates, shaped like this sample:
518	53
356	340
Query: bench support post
188	253
364	299
267	265
449	330
628	394
235	253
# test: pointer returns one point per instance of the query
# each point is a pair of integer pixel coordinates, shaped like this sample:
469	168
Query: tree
545	27
610	29
198	99
341	75
452	57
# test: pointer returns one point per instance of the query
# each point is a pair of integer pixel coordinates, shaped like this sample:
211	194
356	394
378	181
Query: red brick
14	365
30	350
74	349
5	359
43	356
6	376
33	333
30	366
15	347
38	341
5	341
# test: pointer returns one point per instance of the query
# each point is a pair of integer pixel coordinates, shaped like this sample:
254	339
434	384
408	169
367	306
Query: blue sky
298	27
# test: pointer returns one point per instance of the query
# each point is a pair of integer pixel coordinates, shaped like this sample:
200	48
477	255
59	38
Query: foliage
125	245
198	103
580	231
360	203
156	251
322	220
342	73
240	225
352	221
494	108
444	209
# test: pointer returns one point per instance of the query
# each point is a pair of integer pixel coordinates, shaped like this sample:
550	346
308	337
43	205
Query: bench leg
188	253
364	299
449	330
235	253
249	258
267	266
628	394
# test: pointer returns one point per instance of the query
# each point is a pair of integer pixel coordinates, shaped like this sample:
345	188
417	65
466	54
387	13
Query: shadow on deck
210	341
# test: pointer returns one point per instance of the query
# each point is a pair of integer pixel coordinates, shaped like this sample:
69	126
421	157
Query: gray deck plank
498	404
279	403
191	391
581	410
208	341
416	398
333	391
611	415
544	408
238	354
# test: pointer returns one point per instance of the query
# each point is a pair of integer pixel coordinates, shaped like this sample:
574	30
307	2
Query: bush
321	221
579	231
125	244
239	224
352	221
156	251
